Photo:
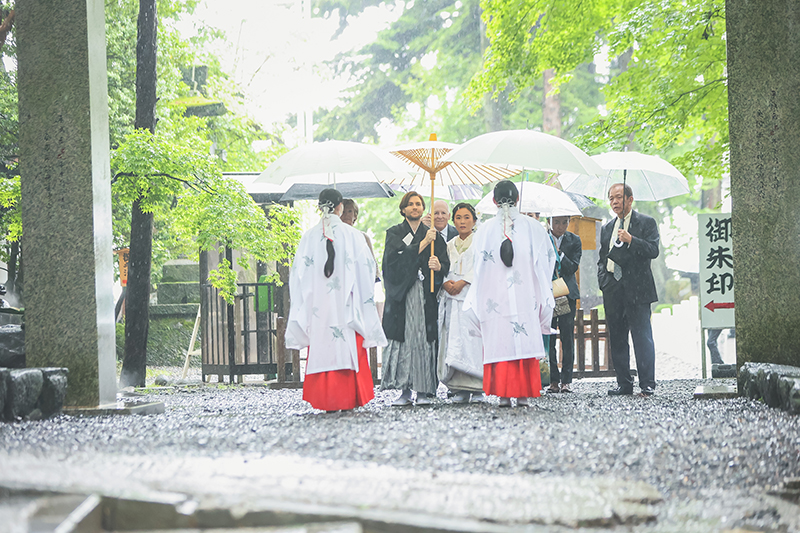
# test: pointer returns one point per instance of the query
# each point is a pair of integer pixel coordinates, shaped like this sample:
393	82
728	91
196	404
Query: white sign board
716	270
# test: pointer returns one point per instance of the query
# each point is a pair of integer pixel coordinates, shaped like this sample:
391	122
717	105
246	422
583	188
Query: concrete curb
777	385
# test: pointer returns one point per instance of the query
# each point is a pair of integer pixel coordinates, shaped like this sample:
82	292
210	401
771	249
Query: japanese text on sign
716	270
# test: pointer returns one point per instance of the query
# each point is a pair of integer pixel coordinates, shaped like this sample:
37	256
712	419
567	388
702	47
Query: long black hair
506	195
328	200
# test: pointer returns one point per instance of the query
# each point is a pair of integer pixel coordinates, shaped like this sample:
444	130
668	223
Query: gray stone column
764	100
66	194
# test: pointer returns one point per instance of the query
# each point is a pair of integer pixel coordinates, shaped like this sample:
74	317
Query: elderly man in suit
441	218
569	250
627	245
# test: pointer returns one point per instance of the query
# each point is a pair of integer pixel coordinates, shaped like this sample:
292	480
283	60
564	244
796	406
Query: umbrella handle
433	182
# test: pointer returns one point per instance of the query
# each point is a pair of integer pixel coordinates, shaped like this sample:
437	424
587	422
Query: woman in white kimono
512	298
333	312
460	350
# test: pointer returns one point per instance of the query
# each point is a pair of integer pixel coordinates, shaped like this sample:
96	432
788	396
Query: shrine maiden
333	311
512	298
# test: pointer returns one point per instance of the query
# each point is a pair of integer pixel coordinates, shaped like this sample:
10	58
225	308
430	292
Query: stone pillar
763	89
66	194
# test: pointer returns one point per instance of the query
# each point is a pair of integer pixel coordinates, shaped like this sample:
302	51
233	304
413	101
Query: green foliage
155	168
224	279
10	216
416	72
173	53
668	87
174	176
229	216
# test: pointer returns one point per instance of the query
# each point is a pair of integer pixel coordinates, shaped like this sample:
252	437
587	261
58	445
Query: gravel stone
703	456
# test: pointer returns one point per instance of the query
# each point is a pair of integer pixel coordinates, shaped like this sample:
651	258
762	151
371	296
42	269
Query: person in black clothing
627	245
411	309
569	250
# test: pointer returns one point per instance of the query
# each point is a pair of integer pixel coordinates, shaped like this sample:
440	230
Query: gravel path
706	452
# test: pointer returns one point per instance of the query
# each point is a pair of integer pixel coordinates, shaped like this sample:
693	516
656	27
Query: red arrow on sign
711	306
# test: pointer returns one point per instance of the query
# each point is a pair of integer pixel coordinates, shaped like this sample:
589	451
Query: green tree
417	70
172	173
667	91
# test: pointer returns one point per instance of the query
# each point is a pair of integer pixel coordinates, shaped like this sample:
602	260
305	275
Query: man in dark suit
627	245
441	218
569	252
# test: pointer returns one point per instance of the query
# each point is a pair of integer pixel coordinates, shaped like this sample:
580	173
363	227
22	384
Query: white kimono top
326	313
460	346
461	267
514	305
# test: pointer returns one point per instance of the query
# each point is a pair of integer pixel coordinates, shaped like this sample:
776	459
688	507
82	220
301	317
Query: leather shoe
619	391
647	392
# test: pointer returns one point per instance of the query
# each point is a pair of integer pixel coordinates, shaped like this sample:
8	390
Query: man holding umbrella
627	245
411	309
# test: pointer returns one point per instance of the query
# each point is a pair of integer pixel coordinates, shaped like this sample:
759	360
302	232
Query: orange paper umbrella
427	157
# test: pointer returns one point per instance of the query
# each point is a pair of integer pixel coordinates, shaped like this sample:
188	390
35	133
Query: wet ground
692	465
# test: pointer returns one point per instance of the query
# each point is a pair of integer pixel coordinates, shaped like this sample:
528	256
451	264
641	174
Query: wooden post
373	363
280	356
295	365
580	337
594	318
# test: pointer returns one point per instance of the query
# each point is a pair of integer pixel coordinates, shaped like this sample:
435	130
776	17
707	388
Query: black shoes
619	391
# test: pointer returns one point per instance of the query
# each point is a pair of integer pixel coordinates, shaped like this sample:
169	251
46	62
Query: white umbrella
650	177
330	162
455	193
535	198
531	150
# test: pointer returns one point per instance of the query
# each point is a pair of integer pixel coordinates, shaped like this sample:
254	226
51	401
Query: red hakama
513	379
341	389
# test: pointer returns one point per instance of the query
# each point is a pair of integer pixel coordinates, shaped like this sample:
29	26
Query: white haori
326	313
460	347
514	305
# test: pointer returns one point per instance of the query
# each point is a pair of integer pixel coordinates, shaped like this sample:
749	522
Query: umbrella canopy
535	198
357	189
650	177
444	192
427	158
580	200
531	150
332	162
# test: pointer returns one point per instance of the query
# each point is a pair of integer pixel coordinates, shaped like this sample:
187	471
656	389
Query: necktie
613	267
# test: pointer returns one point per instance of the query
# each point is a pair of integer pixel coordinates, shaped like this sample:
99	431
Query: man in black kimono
411	310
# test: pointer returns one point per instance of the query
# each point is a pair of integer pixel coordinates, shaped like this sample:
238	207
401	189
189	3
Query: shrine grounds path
569	461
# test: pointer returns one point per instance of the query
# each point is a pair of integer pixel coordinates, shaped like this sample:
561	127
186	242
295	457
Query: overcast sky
277	57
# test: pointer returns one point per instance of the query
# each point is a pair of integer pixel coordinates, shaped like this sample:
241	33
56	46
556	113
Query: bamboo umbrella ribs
427	158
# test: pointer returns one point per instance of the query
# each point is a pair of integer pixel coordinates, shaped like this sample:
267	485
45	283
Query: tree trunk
492	114
137	310
551	107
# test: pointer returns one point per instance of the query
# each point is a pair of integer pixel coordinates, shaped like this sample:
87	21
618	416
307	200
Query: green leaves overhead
667	87
415	74
158	167
173	174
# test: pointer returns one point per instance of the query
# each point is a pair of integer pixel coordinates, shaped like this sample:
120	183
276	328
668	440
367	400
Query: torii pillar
66	194
764	105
